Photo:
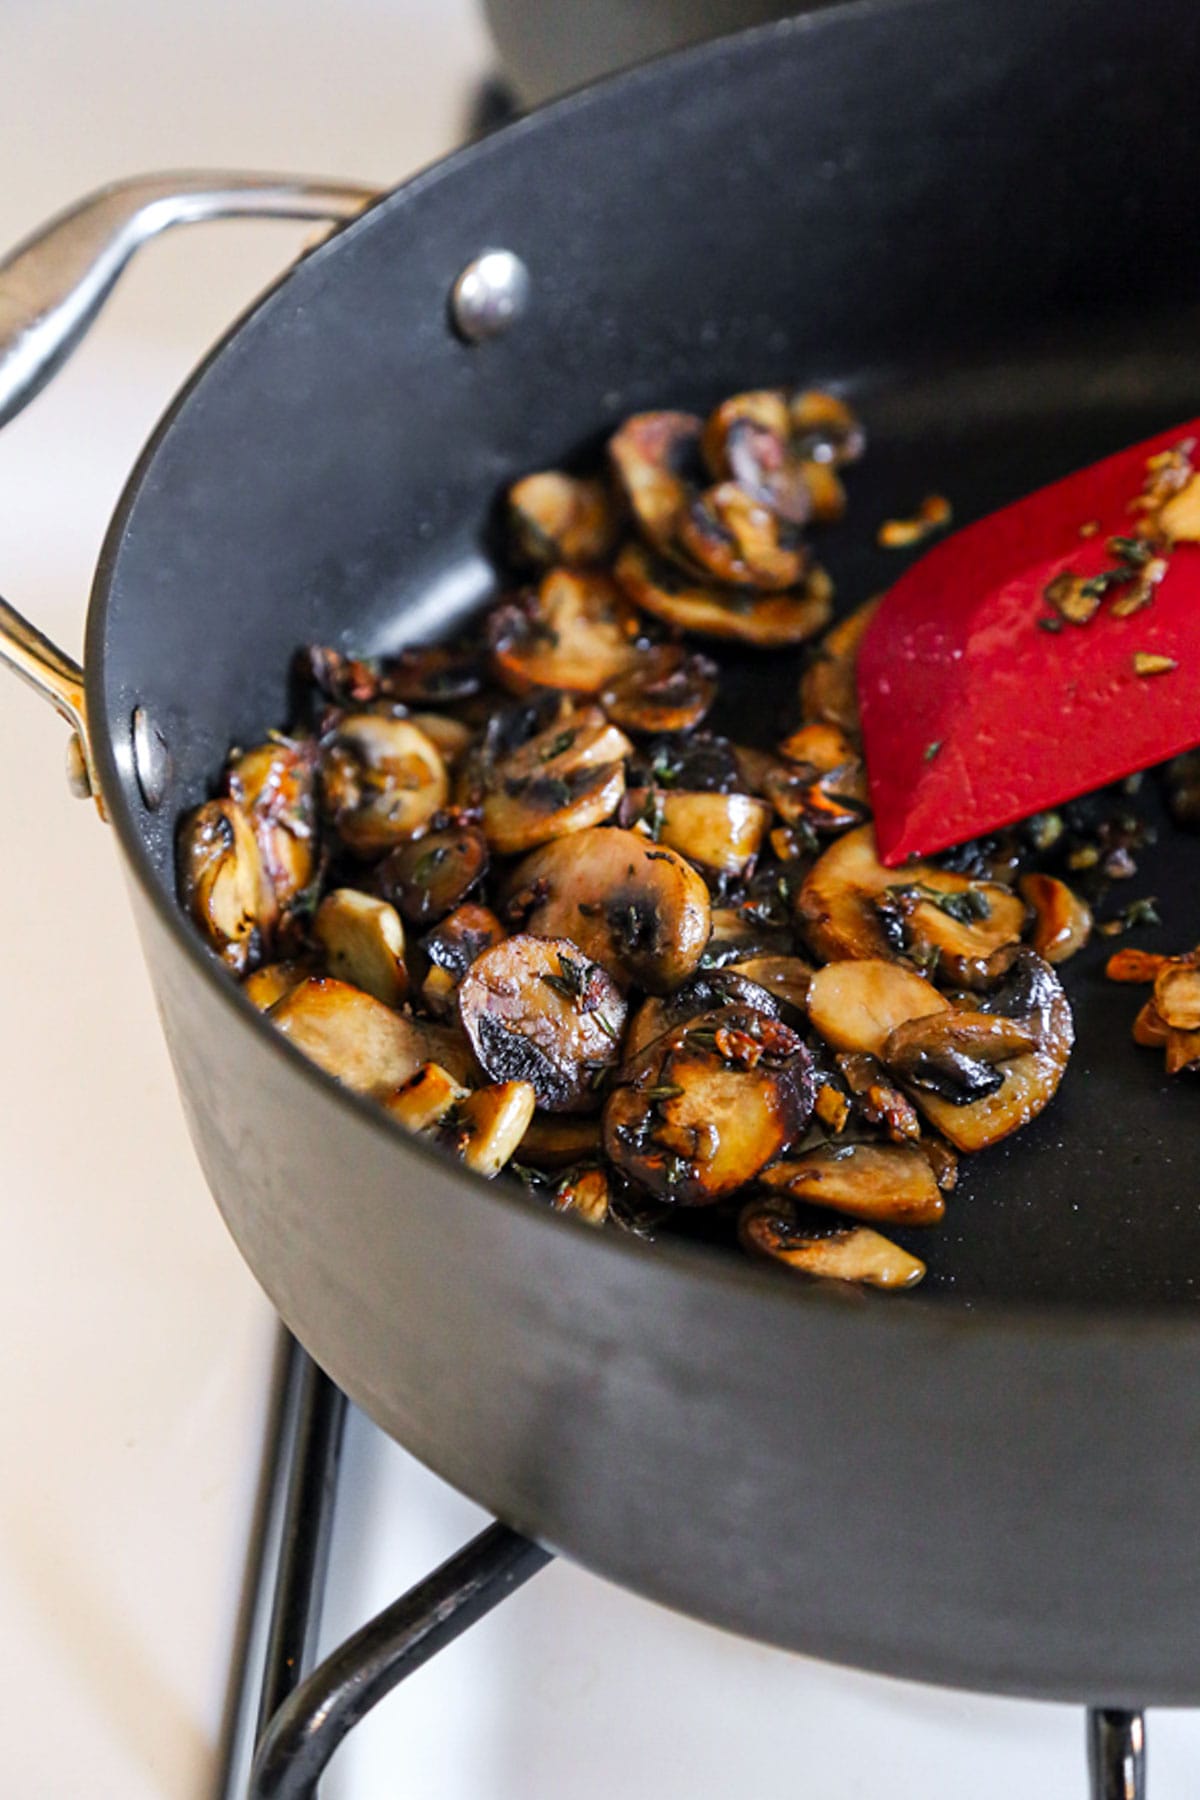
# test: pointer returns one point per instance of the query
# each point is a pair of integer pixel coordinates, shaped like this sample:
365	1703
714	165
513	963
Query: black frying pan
980	221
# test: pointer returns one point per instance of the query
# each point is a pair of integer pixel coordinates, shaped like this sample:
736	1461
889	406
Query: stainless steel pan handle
51	289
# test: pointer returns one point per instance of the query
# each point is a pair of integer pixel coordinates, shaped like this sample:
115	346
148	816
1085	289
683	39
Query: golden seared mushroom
1031	997
1135	965
363	941
827	431
452	738
824	801
733	537
856	1005
563	780
576	632
892	1184
720	832
382	782
636	908
263	987
1177	996
488	1125
275	786
777	1228
704	993
432	675
739	933
556	1140
425	1099
361	1042
540	1010
585	1192
784	451
956	1054
708	1105
769	621
557	518
452	948
428	877
820	746
828	688
851	906
656	459
223	885
665	689
786	979
1062	920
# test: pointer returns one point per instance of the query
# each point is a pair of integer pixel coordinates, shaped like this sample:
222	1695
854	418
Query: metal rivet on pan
151	759
490	295
78	779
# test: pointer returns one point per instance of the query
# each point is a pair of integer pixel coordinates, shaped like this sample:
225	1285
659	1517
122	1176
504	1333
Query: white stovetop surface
135	1346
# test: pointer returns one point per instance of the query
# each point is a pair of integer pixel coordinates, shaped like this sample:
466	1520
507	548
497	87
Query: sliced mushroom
955	1054
828	431
452	738
1182	1051
769	621
557	518
584	1192
1062	921
784	453
575	633
824	801
721	832
1148	1029
428	877
1031	995
564	780
851	906
382	781
275	786
222	883
786	979
892	1183
1177	996
363	941
705	1107
556	1140
425	1099
739	933
656	459
263	987
819	746
451	949
636	908
1135	965
858	1005
729	534
361	1042
829	689
489	1124
775	1227
665	689
704	993
540	1010
431	675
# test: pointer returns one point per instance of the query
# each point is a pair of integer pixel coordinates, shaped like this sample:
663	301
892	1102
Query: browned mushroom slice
739	933
222	883
786	979
275	786
425	1099
1032	996
429	877
942	1160
892	1183
656	459
1148	1029
555	1140
1062	921
486	1128
451	949
923	908
819	746
876	1100
721	832
769	621
563	780
665	689
361	1042
775	1227
828	431
856	1005
784	453
1182	1051
1135	965
540	1010
363	941
452	738
707	1106
731	535
382	781
955	1054
431	675
270	983
584	1192
635	907
824	801
1177	996
557	518
574	633
704	993
828	688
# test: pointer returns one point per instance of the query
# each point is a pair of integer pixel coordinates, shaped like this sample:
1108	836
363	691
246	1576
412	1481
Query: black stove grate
287	1719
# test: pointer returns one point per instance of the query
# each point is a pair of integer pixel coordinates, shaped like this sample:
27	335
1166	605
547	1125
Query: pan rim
1063	1320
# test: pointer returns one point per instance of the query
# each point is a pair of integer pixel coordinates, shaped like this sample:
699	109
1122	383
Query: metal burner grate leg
1117	1754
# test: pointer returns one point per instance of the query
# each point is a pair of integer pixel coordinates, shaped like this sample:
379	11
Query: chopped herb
572	982
426	864
965	906
667	1090
1051	622
557	747
932	749
606	1025
1138	912
1134	551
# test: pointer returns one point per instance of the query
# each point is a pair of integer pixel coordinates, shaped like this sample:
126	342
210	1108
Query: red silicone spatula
977	712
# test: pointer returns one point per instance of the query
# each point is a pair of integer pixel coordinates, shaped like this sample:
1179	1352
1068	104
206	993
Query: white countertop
135	1344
